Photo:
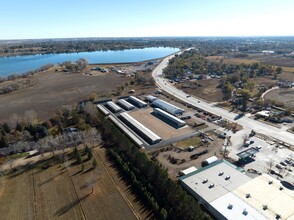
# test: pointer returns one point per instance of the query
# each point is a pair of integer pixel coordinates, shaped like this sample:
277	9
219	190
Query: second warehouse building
145	133
172	119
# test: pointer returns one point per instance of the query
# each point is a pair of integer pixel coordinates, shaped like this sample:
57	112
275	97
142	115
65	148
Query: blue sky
22	19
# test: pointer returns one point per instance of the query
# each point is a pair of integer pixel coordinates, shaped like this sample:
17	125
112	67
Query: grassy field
195	141
50	90
284	96
17	200
64	192
206	89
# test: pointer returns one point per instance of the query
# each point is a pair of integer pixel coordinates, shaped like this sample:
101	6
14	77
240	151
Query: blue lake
22	64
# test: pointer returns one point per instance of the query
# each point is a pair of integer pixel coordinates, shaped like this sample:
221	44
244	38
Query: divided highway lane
246	122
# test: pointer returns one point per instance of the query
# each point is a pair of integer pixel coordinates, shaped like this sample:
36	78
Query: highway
247	123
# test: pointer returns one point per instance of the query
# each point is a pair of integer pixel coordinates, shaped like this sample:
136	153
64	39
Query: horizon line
220	36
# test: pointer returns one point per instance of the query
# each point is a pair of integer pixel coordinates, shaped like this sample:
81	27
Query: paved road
247	123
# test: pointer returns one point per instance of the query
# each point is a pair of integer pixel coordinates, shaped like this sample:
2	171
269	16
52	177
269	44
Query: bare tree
245	138
270	164
52	144
92	135
10	162
1	182
90	109
42	146
66	162
92	180
66	110
13	120
30	117
61	143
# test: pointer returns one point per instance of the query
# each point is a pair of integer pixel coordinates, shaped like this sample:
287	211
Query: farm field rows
63	191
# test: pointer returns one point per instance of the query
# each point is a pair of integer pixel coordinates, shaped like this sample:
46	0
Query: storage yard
145	125
148	135
164	130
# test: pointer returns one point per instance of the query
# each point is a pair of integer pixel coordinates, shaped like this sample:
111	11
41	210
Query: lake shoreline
24	64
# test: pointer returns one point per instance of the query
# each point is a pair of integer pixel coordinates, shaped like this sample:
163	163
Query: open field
63	192
52	89
206	89
17	200
156	125
273	59
284	96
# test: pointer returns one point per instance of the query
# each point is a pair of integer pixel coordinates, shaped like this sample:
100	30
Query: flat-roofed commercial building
137	102
230	194
125	105
170	108
113	107
144	132
221	176
271	197
170	118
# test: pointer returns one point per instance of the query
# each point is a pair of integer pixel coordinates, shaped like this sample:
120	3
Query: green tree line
168	194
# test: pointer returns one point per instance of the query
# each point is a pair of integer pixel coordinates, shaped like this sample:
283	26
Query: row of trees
168	194
208	45
139	183
196	63
26	127
76	66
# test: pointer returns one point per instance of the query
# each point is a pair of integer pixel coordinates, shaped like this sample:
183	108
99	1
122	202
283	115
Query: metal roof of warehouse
150	134
168	106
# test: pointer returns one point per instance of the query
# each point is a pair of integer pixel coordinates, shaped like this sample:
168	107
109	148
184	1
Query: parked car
283	163
259	147
278	166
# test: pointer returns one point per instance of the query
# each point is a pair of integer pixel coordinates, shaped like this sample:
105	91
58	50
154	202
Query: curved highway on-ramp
247	123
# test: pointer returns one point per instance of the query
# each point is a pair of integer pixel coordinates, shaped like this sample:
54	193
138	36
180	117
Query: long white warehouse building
103	109
126	131
124	104
145	133
170	108
113	107
137	102
172	119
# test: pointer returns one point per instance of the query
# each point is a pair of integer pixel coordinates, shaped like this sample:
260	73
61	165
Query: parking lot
267	157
